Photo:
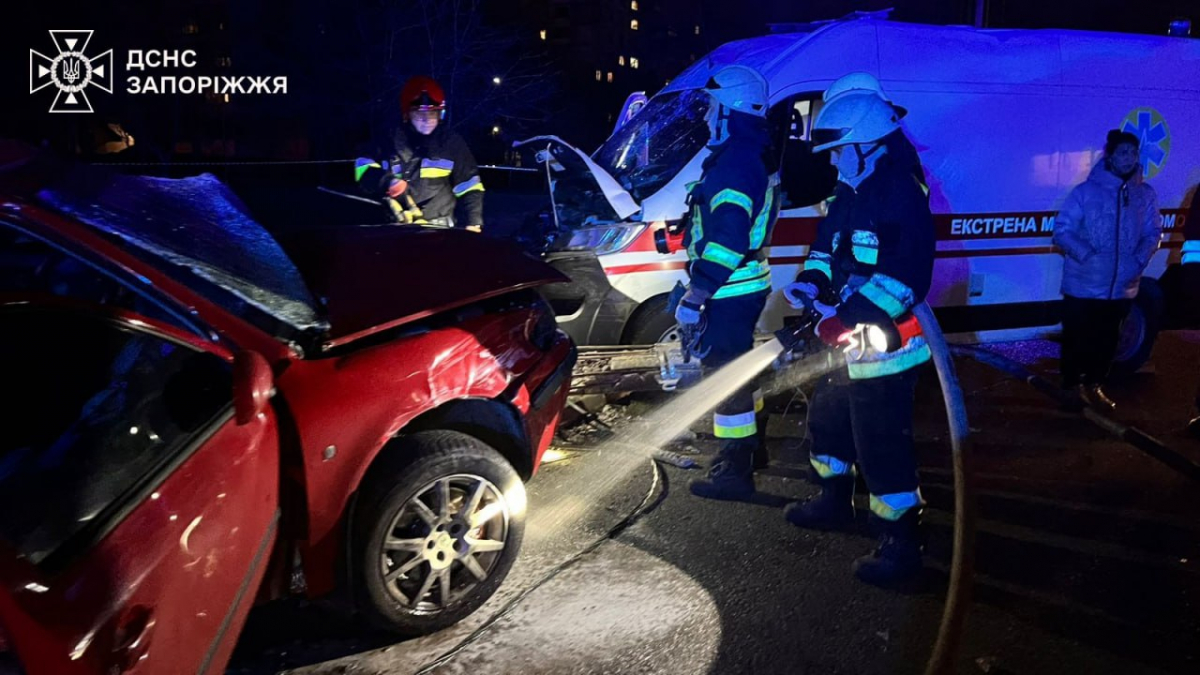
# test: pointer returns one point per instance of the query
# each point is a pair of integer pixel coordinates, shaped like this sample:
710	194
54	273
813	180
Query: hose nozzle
800	338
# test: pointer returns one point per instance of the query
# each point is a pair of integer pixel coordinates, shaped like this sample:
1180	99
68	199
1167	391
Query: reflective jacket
733	208
874	250
439	168
1108	229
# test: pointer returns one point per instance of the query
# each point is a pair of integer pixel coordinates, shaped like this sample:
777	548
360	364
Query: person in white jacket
1107	230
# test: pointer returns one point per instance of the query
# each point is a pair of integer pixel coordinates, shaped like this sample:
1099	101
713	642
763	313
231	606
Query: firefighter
427	160
1191	279
732	211
871	263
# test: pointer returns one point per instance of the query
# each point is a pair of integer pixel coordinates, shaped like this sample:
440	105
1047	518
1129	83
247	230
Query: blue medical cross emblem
1151	129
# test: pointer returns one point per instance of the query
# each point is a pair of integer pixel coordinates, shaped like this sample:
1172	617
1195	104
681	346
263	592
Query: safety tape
910	356
742	425
472	183
744	288
890	295
819	262
725	257
828	466
1191	252
731	196
893	506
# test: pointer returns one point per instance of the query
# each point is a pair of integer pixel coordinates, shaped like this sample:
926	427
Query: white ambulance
1006	123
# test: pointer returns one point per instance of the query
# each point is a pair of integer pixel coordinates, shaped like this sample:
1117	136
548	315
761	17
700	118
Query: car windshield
651	149
197	231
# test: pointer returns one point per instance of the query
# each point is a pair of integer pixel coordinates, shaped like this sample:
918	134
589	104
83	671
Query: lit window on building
633	62
224	61
191	28
610	76
633	24
620	60
697	29
633	5
542	33
599	75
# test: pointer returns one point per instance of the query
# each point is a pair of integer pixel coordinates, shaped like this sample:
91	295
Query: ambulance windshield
651	149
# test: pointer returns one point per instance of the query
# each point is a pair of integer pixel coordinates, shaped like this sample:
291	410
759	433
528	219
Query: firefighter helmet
854	118
422	93
859	83
739	88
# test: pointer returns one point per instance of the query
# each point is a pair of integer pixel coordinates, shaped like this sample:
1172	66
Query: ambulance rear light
606	239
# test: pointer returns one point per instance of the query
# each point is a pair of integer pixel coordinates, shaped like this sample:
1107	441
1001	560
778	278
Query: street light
496	80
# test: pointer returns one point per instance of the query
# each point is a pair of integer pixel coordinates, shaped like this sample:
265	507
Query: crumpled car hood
370	279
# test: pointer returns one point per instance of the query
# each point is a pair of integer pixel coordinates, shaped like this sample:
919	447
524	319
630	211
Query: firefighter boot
831	508
731	475
897	559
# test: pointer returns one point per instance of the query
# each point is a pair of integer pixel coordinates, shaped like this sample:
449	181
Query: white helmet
854	118
858	83
739	88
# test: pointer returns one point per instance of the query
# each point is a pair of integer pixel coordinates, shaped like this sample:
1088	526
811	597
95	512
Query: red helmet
423	93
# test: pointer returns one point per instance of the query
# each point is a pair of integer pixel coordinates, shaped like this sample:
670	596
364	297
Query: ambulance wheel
1140	329
651	324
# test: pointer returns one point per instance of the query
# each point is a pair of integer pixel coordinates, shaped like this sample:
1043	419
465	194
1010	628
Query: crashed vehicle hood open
583	190
643	168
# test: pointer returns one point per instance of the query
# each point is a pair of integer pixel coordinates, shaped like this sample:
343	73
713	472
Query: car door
136	514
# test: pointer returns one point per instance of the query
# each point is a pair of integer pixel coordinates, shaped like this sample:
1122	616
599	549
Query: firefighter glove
397	187
690	307
801	295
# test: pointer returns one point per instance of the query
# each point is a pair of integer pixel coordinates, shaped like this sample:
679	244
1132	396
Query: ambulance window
804	111
806	177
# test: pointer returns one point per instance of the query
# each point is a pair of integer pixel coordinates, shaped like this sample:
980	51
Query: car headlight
607	238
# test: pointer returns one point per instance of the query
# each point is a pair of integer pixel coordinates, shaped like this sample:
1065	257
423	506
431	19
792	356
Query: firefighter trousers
868	422
730	333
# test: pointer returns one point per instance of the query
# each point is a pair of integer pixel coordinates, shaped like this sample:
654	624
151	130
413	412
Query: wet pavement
1088	559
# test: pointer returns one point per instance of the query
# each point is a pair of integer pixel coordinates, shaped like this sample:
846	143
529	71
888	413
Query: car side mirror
253	386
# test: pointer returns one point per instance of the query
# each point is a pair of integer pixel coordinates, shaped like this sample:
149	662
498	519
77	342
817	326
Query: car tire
1140	329
651	324
401	552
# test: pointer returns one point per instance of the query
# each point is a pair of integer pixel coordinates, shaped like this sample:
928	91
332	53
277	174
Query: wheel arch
652	305
493	422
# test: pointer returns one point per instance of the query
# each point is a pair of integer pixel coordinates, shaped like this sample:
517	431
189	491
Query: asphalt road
1088	558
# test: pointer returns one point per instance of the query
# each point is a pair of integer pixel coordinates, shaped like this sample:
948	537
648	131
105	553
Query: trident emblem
71	70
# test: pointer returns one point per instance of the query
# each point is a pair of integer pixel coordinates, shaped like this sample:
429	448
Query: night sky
343	83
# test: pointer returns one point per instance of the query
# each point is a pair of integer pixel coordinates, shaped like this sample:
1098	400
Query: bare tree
348	60
492	74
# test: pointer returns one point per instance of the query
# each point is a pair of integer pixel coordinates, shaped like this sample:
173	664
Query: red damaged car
199	417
